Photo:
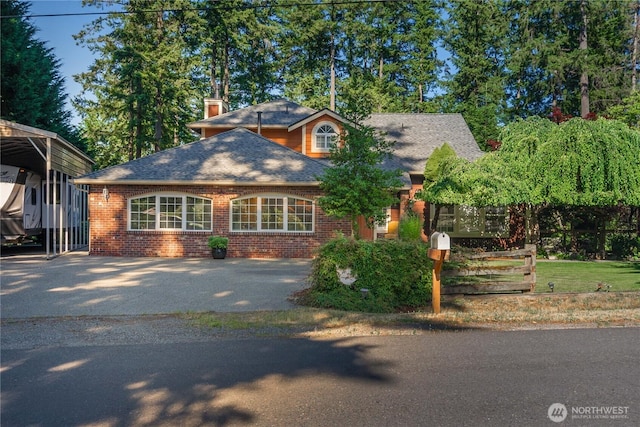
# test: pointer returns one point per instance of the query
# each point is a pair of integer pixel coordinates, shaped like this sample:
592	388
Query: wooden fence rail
494	278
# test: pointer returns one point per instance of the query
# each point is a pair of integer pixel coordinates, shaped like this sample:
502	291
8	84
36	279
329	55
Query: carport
58	162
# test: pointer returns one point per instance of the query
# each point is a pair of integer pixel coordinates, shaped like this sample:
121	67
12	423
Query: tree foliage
492	61
355	185
628	111
31	87
435	161
578	162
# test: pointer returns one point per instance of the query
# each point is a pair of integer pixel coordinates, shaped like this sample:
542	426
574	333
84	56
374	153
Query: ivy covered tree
31	87
355	185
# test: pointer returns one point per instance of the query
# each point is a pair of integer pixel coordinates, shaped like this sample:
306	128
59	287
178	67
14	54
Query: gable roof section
317	115
280	113
235	157
417	135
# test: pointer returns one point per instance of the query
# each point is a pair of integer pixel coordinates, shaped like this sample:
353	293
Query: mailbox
440	241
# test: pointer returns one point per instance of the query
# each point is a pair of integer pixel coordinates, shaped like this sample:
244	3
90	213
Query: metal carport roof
40	150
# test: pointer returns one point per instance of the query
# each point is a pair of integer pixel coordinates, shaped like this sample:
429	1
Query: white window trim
314	148
285	221
157	206
384	227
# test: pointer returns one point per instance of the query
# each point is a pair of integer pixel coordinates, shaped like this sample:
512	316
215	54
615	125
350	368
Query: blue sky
57	32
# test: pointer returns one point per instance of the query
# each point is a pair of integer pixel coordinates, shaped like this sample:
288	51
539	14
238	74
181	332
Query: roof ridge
297	153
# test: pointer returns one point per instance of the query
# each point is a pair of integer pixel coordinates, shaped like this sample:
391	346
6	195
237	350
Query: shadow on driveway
77	284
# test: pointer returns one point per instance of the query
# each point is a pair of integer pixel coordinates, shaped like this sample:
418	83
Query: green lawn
584	276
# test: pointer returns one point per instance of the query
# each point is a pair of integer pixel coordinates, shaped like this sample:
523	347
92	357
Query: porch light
105	193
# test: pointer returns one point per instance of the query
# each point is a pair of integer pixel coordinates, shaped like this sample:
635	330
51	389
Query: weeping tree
578	163
439	156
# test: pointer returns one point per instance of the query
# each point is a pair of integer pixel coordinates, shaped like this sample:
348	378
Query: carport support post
438	256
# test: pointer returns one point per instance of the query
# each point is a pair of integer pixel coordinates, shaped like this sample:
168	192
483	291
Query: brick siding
109	235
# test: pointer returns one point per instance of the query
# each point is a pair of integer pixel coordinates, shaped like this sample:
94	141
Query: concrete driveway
77	284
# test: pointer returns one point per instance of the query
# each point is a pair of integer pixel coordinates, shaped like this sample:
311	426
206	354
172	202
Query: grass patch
567	276
584	276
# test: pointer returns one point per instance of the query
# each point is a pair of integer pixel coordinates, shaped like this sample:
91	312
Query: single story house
252	177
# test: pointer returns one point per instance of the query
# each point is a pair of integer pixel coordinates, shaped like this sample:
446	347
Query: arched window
170	212
272	213
324	137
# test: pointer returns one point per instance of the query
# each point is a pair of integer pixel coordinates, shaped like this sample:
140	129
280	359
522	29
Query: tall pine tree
32	90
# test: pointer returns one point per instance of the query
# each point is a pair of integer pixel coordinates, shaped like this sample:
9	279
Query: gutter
83	181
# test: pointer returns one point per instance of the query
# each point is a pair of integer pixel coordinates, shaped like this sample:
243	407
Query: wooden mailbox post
438	252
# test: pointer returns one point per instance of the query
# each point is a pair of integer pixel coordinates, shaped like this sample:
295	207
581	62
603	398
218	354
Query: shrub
624	245
397	275
410	228
218	242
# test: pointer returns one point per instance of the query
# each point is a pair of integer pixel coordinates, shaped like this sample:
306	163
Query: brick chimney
214	107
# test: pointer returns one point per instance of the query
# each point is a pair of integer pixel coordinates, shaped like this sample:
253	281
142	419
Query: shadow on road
212	383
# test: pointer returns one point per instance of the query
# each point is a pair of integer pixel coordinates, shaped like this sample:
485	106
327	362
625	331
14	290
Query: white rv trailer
20	204
37	193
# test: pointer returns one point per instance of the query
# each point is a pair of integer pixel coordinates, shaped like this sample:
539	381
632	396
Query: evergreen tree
308	51
475	34
32	89
138	95
355	185
550	68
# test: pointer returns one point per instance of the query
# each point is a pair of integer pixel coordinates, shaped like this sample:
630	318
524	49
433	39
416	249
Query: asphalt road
469	378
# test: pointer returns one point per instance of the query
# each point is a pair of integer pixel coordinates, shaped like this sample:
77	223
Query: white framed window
469	221
383	227
170	212
325	136
272	213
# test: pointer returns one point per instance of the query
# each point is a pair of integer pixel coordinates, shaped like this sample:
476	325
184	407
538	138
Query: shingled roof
280	113
238	156
417	135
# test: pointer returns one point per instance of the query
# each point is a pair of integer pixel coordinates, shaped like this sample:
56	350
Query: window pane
496	220
272	213
300	215
325	137
170	212
244	214
446	218
470	219
143	213
198	214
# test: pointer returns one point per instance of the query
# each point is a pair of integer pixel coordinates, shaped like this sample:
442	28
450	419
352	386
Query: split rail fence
492	277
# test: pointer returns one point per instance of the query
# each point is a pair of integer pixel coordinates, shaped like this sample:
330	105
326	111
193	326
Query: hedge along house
253	177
